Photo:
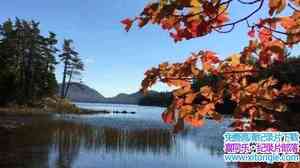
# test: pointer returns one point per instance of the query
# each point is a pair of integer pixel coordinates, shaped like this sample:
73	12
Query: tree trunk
69	82
62	92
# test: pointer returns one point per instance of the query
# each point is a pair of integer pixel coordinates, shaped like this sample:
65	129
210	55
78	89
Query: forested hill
82	93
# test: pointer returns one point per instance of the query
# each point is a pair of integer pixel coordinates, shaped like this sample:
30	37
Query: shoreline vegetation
15	116
54	105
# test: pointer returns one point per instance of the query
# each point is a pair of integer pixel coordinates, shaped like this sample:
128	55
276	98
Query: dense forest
28	61
163	99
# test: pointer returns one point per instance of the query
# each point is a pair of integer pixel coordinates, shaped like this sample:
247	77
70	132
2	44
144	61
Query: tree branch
292	7
244	18
248	3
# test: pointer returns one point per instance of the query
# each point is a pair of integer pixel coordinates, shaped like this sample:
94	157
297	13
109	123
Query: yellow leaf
235	59
196	6
222	9
195	3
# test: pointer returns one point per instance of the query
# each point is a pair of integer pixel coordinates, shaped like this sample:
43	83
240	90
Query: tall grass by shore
46	106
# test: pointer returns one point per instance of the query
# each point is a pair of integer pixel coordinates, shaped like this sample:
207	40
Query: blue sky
115	60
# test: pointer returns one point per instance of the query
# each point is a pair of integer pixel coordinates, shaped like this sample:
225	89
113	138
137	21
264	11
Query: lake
138	140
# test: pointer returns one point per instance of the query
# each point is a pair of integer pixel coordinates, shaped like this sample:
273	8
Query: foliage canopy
27	62
270	39
187	19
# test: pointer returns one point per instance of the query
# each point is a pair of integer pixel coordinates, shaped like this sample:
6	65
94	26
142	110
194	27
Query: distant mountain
124	98
82	93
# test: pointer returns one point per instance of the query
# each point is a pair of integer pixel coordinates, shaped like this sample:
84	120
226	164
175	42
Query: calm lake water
138	140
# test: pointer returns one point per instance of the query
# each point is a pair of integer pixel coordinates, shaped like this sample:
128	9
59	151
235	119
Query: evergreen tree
27	62
72	65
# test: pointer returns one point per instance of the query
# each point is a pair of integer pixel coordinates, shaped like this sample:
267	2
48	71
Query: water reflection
65	144
74	135
30	146
25	148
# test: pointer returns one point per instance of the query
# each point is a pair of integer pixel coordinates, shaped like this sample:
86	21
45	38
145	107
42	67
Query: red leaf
251	33
194	28
127	23
221	19
176	36
168	117
265	35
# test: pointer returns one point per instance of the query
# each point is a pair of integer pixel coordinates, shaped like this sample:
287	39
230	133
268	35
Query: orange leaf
277	47
190	98
181	91
287	22
177	82
207	92
168	23
195	122
185	110
216	116
252	88
203	110
207	66
209	56
265	35
276	6
222	18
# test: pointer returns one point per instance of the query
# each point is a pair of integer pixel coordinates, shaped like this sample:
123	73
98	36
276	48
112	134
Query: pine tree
27	62
72	65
